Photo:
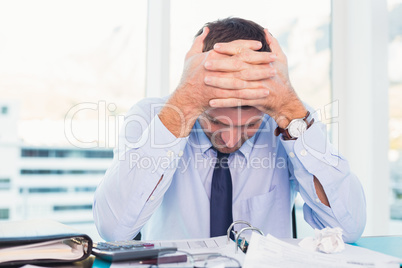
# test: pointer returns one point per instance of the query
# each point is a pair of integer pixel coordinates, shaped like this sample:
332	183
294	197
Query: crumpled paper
327	240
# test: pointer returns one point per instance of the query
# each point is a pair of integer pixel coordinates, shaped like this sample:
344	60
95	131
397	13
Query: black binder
41	241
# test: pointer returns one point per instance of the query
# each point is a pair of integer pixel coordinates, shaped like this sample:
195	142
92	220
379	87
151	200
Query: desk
390	245
98	263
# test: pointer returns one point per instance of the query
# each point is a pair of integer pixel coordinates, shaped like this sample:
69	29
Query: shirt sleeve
132	188
313	155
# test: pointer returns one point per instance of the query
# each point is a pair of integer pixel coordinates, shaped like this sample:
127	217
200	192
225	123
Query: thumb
198	43
273	43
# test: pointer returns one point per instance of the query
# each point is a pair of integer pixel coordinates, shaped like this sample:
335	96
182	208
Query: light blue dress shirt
266	171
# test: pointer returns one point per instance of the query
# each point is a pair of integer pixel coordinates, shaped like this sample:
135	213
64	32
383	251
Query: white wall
360	84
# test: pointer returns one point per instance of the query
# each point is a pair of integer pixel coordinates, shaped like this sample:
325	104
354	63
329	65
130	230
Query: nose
231	137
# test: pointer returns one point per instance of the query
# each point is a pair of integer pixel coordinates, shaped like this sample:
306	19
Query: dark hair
230	29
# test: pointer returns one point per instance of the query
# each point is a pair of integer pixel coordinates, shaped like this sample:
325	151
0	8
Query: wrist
286	117
295	128
178	116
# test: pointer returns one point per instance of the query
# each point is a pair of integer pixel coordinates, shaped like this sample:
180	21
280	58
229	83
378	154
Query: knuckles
247	55
238	65
238	84
244	74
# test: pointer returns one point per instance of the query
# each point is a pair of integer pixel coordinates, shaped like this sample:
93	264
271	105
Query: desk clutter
44	242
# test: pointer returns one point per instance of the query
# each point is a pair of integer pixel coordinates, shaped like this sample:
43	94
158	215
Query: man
190	164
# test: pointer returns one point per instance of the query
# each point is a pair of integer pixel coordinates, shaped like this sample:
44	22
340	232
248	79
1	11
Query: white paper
327	240
271	252
55	249
195	246
34	228
62	249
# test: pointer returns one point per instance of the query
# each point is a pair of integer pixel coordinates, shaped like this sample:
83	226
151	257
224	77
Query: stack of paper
271	252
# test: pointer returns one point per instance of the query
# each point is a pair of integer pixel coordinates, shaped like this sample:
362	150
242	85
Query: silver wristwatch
295	128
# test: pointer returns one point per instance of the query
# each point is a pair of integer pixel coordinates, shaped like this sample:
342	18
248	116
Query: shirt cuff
312	151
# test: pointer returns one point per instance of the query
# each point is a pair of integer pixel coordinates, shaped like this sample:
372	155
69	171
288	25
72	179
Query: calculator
128	250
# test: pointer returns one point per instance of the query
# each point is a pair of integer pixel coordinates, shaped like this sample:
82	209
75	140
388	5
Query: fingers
231	102
231	83
198	43
243	94
241	70
237	46
238	63
273	43
241	79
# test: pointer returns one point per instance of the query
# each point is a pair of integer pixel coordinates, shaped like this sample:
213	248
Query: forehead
234	116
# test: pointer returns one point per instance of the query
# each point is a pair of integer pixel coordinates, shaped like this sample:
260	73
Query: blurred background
69	71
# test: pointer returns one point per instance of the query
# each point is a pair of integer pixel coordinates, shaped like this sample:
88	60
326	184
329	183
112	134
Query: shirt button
317	200
170	154
291	154
303	152
180	153
152	198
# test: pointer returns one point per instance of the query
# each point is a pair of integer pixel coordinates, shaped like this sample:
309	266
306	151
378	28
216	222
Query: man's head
230	29
229	128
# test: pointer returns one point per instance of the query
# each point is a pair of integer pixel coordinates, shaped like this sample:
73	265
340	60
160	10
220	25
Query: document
271	252
198	247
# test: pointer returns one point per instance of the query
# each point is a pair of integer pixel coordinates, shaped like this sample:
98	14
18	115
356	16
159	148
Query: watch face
297	127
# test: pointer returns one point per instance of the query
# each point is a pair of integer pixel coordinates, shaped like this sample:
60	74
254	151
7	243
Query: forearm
121	205
132	188
320	192
179	114
314	157
348	209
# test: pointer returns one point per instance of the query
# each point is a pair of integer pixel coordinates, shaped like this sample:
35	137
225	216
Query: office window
5	183
85	189
61	172
4	213
57	55
47	190
395	110
64	153
99	154
34	153
72	207
4	110
82	61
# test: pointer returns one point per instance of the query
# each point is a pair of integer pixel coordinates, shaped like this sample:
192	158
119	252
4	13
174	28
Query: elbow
354	233
108	225
101	225
351	237
103	221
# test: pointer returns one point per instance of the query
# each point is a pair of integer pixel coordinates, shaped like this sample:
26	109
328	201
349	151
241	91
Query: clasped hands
236	74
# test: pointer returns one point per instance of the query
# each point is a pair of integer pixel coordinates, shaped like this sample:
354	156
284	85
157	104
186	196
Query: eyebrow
250	123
